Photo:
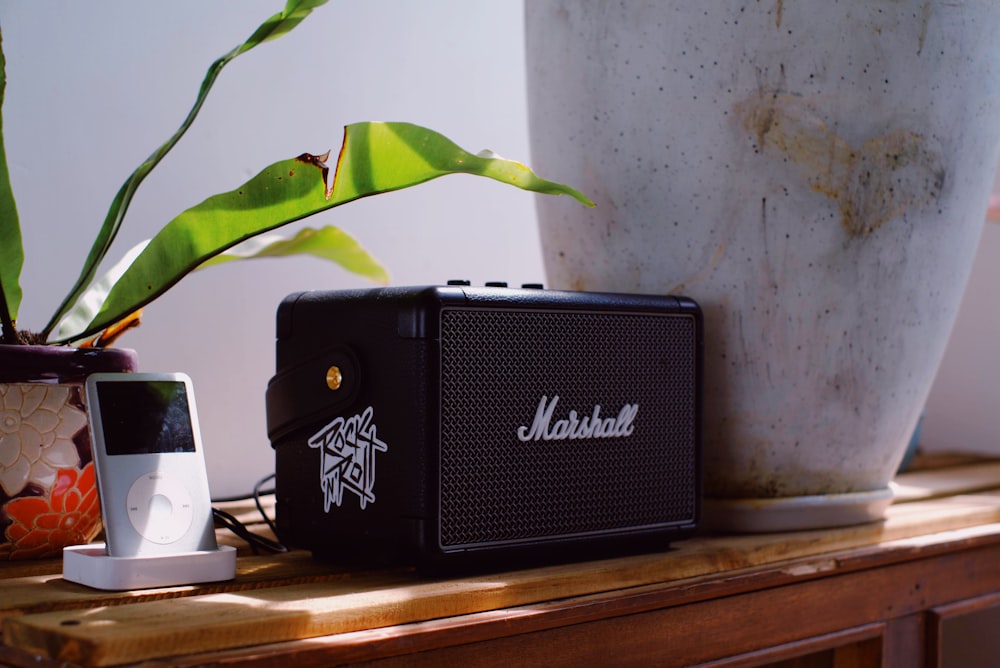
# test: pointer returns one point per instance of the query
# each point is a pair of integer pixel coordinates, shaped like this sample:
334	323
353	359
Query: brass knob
334	378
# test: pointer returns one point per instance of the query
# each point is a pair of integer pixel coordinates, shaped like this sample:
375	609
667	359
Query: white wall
93	88
963	409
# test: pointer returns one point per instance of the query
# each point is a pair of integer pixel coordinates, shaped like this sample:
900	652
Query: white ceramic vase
815	175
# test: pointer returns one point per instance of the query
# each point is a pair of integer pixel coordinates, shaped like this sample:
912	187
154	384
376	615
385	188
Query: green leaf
294	13
281	23
91	301
328	243
379	157
375	158
11	247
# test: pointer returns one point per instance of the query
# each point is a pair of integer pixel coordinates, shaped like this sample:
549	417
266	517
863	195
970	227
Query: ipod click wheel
159	508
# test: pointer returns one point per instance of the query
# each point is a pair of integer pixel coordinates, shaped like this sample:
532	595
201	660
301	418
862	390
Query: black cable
244	497
256	541
257	492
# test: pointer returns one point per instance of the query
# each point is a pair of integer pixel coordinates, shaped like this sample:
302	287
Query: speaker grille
496	365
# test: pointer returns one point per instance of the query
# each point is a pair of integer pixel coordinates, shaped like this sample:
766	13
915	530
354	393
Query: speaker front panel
558	424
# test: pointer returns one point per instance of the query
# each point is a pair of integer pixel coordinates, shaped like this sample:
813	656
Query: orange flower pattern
69	515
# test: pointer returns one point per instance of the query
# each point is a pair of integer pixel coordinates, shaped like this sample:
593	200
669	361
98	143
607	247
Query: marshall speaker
456	424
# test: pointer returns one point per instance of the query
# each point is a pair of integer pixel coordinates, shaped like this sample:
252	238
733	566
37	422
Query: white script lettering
574	427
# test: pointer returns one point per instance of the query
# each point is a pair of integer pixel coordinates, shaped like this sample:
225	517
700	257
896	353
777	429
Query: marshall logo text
574	427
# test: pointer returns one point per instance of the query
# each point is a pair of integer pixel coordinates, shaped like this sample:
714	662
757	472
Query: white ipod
150	465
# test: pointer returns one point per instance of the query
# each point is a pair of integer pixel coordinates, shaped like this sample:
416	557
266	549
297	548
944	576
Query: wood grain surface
292	597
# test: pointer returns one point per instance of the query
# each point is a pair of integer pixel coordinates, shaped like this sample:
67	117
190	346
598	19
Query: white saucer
796	513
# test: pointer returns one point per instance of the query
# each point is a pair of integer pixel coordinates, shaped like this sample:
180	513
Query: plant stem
9	329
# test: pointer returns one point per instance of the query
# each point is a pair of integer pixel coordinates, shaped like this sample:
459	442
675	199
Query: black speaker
459	424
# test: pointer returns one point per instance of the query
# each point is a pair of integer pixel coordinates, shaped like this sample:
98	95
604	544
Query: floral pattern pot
48	489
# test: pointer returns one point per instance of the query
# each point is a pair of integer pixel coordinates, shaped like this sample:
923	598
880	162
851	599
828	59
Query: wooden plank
118	634
905	641
482	630
858	647
50	592
924	485
23	569
962	644
928	461
709	630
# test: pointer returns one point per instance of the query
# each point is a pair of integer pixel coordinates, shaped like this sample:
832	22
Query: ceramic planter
815	174
48	492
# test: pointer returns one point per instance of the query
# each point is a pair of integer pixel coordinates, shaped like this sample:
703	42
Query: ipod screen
145	417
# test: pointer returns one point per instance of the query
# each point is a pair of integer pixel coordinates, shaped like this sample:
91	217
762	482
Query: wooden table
921	588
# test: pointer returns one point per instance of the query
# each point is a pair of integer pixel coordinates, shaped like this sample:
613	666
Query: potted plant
47	491
815	174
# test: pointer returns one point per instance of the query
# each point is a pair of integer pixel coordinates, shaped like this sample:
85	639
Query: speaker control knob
532	286
459	281
496	284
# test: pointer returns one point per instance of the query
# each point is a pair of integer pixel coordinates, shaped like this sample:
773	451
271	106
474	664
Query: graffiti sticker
347	450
